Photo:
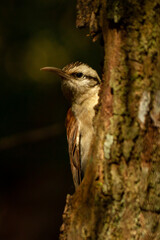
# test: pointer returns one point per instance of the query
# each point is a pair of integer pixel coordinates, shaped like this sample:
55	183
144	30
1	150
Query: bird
80	85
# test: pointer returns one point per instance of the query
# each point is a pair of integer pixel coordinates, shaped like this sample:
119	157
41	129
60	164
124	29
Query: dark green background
35	175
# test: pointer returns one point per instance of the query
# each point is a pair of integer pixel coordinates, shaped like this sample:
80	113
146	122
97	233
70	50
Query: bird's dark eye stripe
94	78
79	75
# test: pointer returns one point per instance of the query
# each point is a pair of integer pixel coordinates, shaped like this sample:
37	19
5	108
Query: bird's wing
73	137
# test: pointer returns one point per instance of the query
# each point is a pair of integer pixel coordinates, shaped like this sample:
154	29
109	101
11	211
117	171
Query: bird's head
77	79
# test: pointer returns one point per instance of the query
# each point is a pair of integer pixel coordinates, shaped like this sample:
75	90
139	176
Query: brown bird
80	85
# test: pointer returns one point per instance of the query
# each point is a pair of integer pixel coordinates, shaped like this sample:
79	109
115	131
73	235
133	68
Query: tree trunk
119	197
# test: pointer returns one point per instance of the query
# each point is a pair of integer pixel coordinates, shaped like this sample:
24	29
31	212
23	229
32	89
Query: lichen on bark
119	197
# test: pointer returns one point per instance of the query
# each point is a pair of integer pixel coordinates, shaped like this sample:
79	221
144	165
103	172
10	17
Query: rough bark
119	197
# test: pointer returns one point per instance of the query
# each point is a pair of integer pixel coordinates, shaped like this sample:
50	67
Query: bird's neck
83	107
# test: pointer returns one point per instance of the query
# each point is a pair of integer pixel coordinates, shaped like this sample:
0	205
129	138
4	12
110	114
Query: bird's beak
58	71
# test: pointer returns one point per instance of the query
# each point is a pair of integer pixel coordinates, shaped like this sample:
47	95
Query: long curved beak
58	71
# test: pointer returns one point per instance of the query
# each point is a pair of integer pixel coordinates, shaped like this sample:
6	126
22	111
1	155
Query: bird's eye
79	74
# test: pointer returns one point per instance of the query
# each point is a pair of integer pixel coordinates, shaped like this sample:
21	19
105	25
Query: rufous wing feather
73	137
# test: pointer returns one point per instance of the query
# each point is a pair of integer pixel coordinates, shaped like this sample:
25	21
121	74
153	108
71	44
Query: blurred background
35	172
